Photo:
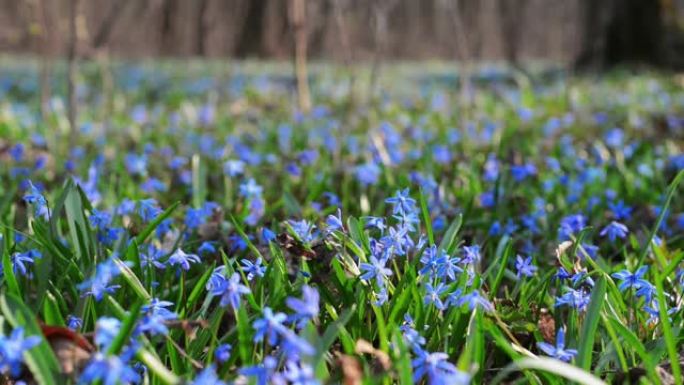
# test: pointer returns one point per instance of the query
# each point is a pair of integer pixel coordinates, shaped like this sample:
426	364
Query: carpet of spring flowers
199	229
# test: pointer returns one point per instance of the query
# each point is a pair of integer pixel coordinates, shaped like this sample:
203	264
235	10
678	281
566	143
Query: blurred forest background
583	33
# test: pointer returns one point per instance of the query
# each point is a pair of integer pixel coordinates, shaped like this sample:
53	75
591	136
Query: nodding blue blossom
653	311
74	323
253	269
222	353
207	376
368	174
559	351
12	349
304	230
374	222
206	247
471	254
632	280
106	330
300	374
233	168
182	259
21	260
521	172
269	327
577	299
571	225
229	289
620	210
614	230
437	370
136	164
155	316
148	209
35	198
376	269
334	222
411	336
474	300
432	262
263	373
433	294
402	202
306	308
110	370
524	267
152	257
99	284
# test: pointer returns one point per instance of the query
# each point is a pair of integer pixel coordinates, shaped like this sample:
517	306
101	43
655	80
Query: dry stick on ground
298	22
71	72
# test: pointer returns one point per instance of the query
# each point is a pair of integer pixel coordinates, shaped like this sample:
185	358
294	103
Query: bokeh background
582	33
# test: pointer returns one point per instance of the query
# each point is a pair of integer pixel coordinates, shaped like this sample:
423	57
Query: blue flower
136	164
206	247
250	189
559	352
334	222
577	299
377	222
99	284
571	225
437	369
630	280
473	299
20	260
306	308
74	323
180	258
12	350
368	174
401	202
155	317
233	168
230	290
433	294
620	210
148	209
269	327
300	374
524	266
207	376
222	352
614	230
263	372
253	269
471	254
303	230
376	269
110	370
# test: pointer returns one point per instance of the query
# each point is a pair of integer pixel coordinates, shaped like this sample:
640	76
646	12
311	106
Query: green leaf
550	365
126	329
590	325
41	359
10	278
132	280
51	313
426	218
448	243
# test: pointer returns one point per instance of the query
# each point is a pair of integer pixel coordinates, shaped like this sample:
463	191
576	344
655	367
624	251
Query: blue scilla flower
473	300
398	240
250	189
559	351
109	370
12	350
100	219
182	259
471	254
577	299
304	230
571	225
152	257
436	369
106	330
233	168
651	308
253	269
100	283
631	280
402	202
491	168
614	230
368	174
524	266
136	164
155	317
300	374
374	222
34	196
229	289
74	323
126	207
207	247
263	373
376	269
207	376
334	222
269	327
432	261
433	294
305	308
148	209
620	210
20	262
222	352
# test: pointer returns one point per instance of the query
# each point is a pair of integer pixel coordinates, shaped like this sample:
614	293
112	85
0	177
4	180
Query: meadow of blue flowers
202	230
